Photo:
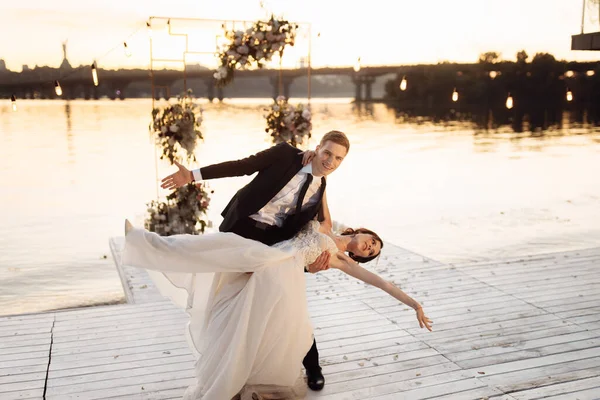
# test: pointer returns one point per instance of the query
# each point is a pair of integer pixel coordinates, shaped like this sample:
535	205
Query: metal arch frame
186	52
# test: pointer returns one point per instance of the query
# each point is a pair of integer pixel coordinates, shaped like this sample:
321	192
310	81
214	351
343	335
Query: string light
94	74
126	49
493	74
403	83
357	65
569	95
509	102
57	88
454	95
13	100
590	72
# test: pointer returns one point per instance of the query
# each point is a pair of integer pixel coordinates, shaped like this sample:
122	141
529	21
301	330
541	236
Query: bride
252	330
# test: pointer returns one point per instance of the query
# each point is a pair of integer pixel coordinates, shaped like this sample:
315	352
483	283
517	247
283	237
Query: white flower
306	113
249	31
239	33
242	49
216	75
199	120
280	98
259	55
276	46
171	142
259	35
174	128
276	108
270	37
237	41
163	129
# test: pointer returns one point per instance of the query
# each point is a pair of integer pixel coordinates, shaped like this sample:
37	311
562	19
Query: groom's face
328	157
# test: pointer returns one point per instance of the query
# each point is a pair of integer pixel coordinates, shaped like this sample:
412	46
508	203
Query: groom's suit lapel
290	172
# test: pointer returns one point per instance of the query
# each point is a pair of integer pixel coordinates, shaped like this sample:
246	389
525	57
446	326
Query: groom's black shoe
315	379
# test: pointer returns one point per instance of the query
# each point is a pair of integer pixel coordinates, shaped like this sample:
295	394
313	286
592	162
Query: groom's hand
320	264
178	179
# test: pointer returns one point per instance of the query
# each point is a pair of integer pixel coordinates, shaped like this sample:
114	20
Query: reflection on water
72	171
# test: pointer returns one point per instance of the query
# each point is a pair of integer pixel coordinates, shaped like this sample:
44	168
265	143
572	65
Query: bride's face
364	245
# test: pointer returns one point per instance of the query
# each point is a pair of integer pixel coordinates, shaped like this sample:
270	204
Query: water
71	172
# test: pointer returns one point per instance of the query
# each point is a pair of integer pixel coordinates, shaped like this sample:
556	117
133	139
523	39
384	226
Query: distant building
65	63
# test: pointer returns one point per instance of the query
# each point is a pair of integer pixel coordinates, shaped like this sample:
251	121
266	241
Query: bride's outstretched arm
344	263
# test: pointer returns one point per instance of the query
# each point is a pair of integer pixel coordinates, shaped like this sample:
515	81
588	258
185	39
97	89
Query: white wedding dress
250	331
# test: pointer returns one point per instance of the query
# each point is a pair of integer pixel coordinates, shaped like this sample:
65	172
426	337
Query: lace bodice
309	243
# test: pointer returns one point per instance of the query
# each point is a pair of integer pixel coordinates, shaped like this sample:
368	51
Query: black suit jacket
275	167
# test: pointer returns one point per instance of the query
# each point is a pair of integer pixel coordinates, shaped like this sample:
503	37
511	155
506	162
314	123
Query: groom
278	202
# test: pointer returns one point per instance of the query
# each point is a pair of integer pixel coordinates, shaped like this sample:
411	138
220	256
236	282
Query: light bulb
569	95
126	49
357	65
509	102
94	74
57	88
403	83
493	74
13	100
455	95
591	72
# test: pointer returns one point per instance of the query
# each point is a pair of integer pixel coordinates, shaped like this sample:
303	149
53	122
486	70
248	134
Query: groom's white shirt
283	203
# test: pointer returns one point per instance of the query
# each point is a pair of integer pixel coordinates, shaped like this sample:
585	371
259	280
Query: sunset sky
378	31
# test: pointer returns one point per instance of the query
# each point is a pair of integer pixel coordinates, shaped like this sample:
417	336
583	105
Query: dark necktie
302	193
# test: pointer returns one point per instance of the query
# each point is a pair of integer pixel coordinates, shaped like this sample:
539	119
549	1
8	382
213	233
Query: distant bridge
114	84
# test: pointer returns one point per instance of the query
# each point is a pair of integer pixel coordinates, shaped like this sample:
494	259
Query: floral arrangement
286	123
255	46
177	127
181	213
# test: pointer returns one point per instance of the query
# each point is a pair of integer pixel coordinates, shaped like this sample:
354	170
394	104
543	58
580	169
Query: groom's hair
336	137
353	232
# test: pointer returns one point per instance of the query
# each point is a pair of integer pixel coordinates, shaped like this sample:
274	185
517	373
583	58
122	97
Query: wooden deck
524	328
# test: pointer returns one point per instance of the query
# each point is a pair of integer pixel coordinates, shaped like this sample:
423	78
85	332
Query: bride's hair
353	232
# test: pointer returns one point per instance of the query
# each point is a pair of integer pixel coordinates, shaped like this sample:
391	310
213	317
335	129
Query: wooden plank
138	387
481	362
503	345
571	388
546	376
83	383
399	382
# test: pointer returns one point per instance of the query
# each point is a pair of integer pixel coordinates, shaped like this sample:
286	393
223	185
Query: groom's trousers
269	235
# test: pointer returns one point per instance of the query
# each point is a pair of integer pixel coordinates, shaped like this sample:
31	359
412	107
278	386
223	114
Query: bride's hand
424	322
307	157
